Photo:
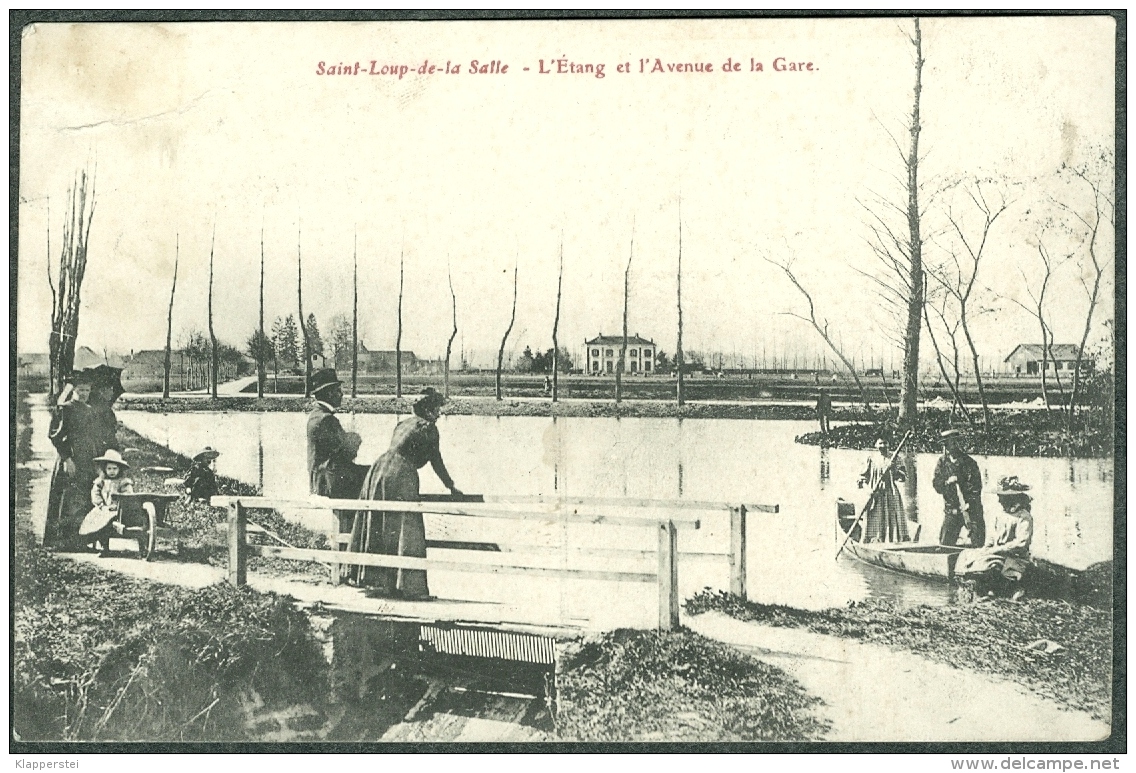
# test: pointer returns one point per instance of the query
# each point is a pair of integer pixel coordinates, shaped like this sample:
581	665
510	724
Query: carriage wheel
148	538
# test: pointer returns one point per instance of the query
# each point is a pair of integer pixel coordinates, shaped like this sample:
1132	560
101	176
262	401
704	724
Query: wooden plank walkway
343	598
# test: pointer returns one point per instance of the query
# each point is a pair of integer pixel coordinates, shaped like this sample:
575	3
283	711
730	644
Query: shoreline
1016	432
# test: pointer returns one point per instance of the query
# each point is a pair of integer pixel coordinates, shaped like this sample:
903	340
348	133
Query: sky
192	128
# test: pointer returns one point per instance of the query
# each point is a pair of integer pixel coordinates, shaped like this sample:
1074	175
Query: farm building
603	354
1030	359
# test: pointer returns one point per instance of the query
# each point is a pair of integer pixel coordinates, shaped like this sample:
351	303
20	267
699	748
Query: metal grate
482	643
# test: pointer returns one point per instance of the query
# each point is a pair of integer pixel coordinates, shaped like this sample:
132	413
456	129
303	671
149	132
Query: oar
872	494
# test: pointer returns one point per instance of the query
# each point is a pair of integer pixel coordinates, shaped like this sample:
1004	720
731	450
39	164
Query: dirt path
877	694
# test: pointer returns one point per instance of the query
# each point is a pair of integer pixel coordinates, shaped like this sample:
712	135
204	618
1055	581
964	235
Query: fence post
238	555
668	576
738	551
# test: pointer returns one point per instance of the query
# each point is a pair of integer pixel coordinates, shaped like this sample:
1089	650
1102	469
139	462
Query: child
201	482
99	526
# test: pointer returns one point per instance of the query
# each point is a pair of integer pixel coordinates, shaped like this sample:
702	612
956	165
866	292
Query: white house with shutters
602	355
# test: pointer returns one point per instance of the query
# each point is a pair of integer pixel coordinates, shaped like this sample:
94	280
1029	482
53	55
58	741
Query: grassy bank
989	637
678	686
200	528
97	656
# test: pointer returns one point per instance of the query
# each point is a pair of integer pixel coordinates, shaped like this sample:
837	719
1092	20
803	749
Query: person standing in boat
885	521
394	475
959	482
332	471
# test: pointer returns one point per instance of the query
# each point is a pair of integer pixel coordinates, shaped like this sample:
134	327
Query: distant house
149	364
602	354
32	364
376	361
1030	359
86	357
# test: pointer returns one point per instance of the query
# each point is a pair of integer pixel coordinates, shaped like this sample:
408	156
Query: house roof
1056	352
85	357
635	340
150	355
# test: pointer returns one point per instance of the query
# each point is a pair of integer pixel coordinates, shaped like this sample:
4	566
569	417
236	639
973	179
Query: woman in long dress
886	521
83	428
394	475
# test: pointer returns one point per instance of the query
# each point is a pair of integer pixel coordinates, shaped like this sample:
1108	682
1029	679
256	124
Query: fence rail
665	516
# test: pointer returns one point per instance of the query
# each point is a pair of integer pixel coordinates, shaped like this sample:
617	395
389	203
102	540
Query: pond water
790	552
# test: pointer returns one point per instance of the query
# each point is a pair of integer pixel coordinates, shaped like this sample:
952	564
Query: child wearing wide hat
201	481
98	526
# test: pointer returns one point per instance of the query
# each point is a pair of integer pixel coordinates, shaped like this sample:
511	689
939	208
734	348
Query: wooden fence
666	517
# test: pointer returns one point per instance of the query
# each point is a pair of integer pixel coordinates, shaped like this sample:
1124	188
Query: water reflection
791	552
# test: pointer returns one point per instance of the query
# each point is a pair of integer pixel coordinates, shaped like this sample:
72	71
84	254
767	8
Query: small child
201	481
99	525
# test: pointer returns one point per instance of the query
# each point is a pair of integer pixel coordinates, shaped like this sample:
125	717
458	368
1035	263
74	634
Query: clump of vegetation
990	637
1019	433
678	686
97	656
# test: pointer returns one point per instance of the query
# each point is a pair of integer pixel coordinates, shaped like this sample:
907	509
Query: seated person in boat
201	481
998	566
885	520
98	525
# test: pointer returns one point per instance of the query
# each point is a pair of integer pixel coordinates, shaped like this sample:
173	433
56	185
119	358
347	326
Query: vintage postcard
593	380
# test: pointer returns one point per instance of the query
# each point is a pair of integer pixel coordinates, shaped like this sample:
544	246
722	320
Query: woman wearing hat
1005	557
886	521
83	428
201	481
395	476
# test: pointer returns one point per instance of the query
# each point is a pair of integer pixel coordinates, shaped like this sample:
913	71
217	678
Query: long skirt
392	533
886	520
68	502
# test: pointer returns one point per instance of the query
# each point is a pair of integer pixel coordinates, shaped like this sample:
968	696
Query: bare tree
65	291
261	363
170	321
1037	311
952	379
453	333
901	254
1097	176
959	277
820	326
398	337
212	337
679	392
623	348
355	316
512	319
556	327
303	325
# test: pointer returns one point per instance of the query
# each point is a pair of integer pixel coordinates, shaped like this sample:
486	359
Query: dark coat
332	471
80	433
969	480
201	482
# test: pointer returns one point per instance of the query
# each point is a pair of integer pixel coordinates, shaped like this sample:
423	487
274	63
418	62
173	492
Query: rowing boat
921	560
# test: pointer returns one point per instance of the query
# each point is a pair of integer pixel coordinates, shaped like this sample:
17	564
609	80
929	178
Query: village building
1031	360
373	362
602	354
